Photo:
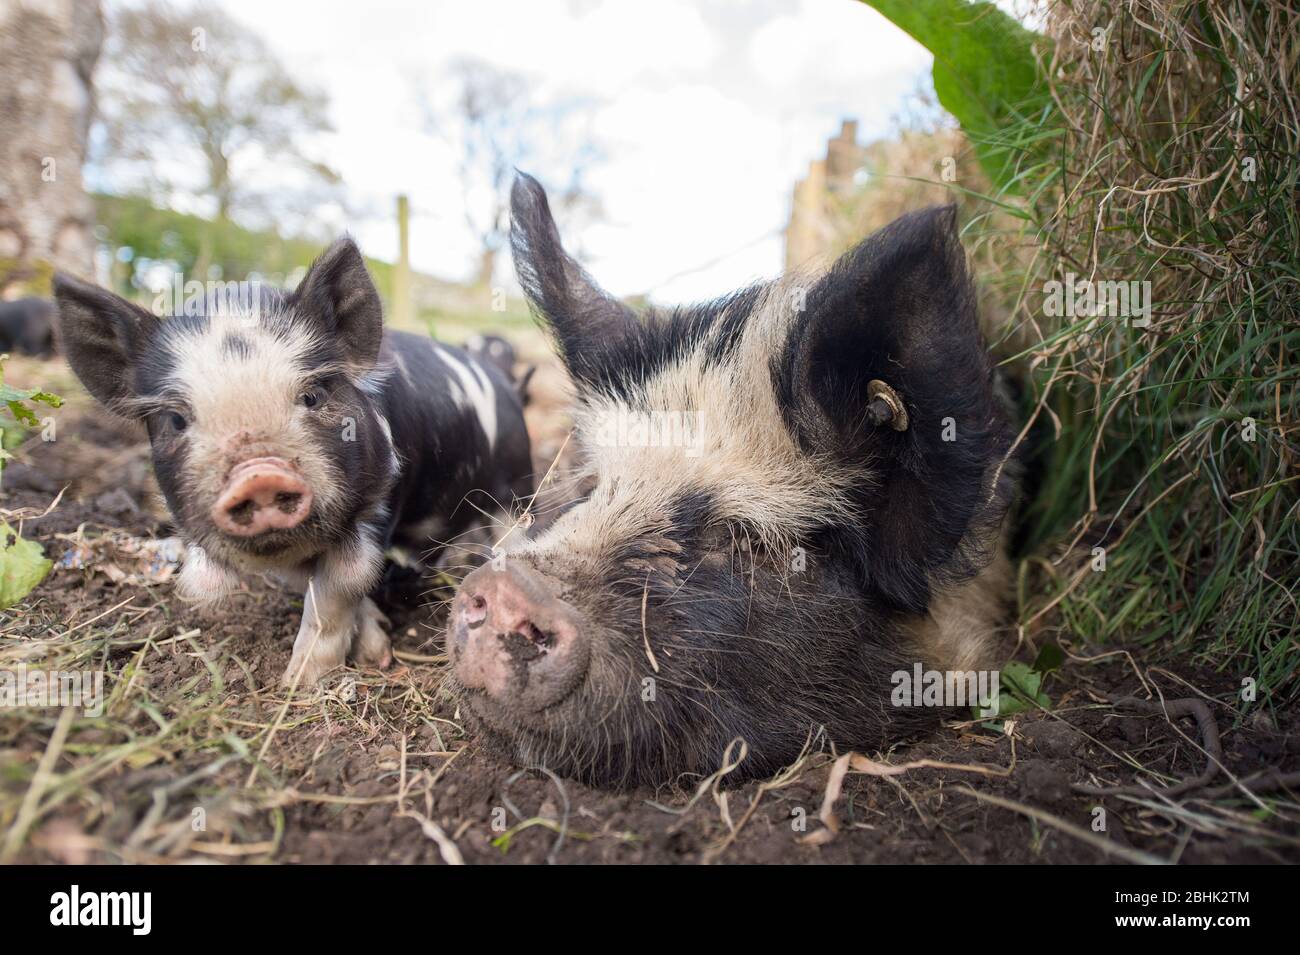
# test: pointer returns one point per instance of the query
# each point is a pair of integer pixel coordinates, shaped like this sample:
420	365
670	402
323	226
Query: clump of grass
1169	156
172	764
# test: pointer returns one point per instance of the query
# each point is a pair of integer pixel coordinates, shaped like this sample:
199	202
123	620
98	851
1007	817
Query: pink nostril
262	494
533	635
476	612
515	639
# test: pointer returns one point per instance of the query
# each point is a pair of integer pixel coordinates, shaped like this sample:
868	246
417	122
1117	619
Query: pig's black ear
339	297
900	309
102	335
596	333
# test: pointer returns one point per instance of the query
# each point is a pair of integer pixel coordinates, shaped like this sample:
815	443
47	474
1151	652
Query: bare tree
192	88
46	101
498	124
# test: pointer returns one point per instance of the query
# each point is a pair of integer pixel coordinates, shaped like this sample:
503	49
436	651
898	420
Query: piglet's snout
514	640
262	494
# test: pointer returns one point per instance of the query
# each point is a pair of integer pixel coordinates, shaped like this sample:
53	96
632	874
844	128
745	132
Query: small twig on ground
293	688
864	766
1266	781
563	828
407	657
1083	835
28	811
447	847
1171	709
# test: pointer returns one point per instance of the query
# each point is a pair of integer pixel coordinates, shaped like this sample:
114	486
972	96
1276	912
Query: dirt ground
200	756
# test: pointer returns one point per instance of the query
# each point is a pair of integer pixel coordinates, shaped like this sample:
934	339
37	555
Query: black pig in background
498	351
27	327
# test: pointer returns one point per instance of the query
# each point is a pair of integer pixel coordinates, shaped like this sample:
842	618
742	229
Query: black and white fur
404	441
769	582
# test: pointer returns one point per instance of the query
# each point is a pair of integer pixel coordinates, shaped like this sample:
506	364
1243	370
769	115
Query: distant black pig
494	349
498	351
27	327
795	494
293	434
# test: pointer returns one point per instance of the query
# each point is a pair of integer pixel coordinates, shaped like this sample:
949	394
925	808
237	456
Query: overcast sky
707	112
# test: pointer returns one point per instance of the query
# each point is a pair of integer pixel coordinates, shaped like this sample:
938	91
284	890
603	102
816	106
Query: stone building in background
858	188
811	232
48	50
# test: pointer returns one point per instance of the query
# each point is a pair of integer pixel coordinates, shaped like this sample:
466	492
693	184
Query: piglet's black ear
338	295
596	333
900	309
102	335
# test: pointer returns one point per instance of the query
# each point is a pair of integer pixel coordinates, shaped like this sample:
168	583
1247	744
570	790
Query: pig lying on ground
27	327
795	493
292	434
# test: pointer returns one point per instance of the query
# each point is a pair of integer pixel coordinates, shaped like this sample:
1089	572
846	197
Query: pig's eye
177	421
312	397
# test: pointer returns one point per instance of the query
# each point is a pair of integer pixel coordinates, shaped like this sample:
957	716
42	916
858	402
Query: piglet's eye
311	398
177	421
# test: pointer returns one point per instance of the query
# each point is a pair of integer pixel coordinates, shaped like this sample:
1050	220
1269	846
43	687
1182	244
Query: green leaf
23	565
1049	658
1020	690
1022	677
985	71
14	398
1146	78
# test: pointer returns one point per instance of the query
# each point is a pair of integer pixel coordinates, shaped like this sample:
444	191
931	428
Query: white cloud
842	47
708	113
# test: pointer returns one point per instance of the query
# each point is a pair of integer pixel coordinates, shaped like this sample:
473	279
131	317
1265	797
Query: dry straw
1170	158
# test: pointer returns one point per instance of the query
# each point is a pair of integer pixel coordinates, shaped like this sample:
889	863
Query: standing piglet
293	434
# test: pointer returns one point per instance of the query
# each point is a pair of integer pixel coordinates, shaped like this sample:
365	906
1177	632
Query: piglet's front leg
329	619
332	608
372	647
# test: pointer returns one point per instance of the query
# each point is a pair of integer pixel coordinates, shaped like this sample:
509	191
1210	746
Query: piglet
292	434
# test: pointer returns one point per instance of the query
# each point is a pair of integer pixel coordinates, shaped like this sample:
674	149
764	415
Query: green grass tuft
1172	446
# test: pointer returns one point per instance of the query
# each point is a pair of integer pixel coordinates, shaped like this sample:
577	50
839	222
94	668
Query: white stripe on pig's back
475	390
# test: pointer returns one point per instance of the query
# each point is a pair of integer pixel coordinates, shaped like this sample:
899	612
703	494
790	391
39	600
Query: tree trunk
487	267
49	51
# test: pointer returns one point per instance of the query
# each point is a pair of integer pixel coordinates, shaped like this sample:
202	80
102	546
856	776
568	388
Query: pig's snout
262	494
514	640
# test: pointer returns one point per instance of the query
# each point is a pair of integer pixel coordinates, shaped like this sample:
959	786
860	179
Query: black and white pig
293	434
827	517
